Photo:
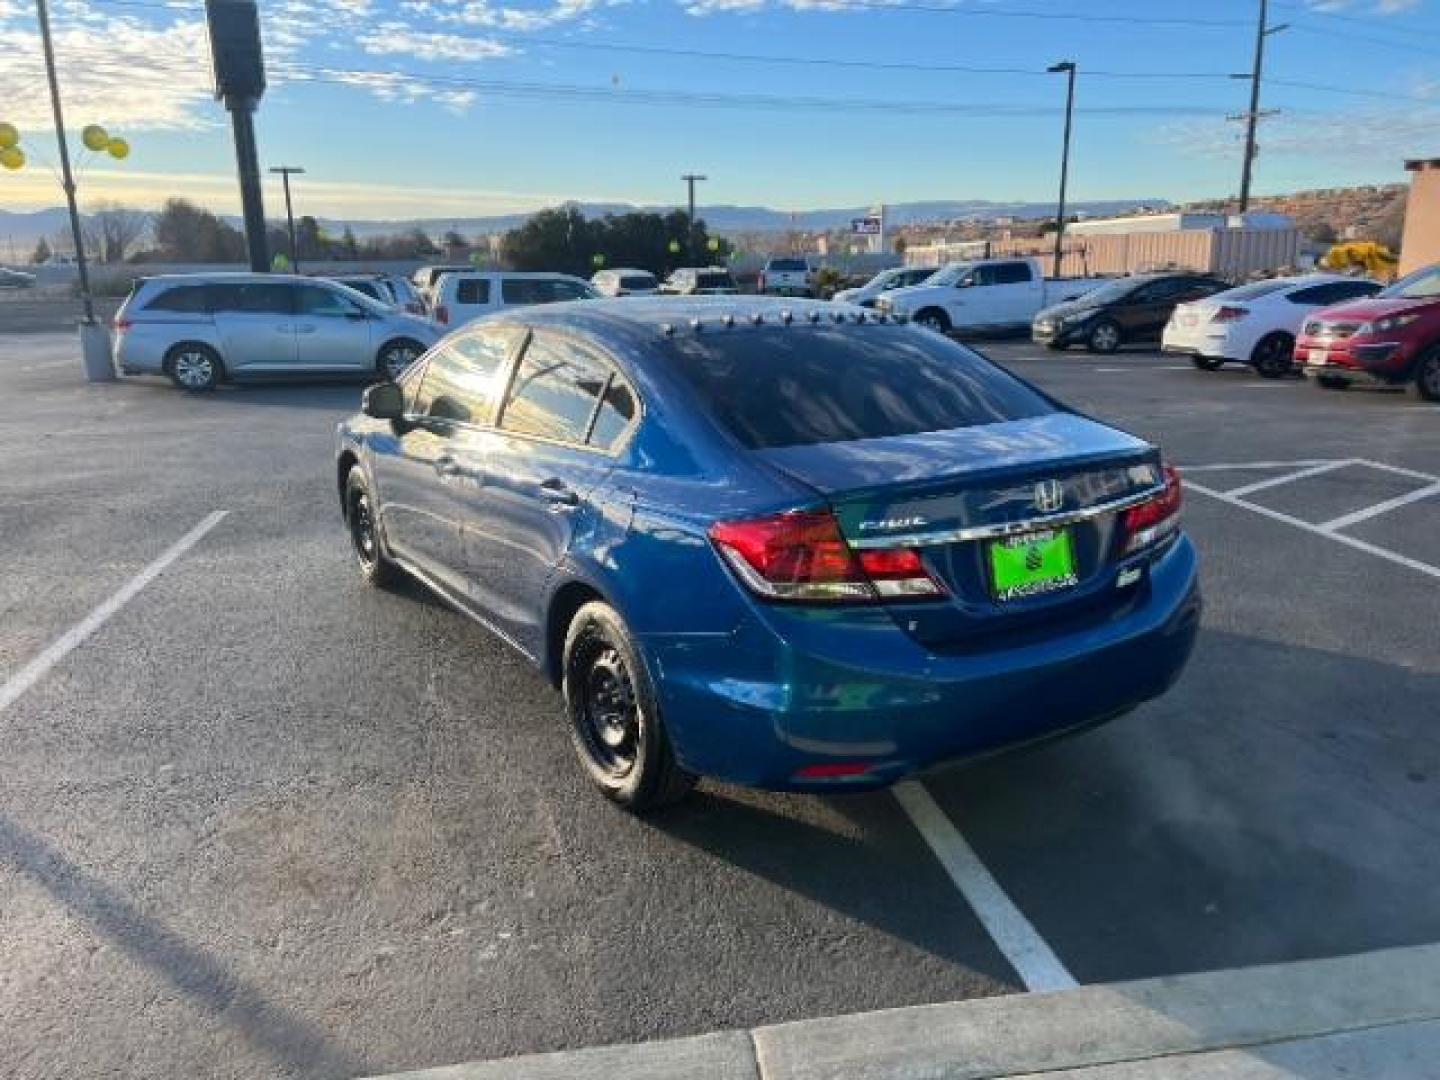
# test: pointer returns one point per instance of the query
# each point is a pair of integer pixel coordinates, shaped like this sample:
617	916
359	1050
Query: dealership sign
865	226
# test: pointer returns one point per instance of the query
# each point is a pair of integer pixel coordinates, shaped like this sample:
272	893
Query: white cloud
483	13
1387	133
1362	7
389	39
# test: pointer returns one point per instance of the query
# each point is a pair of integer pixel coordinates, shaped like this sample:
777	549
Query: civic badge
1049	496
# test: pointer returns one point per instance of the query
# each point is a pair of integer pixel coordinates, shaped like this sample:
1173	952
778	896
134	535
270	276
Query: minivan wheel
360	520
933	319
396	356
615	723
194	367
1274	356
1104	337
1427	376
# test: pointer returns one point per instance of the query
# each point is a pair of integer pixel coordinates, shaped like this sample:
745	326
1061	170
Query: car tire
614	720
395	356
933	319
1274	356
1427	376
363	526
1331	382
1104	337
1206	363
194	367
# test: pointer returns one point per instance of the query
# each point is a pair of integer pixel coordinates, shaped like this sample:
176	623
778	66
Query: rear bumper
1207	346
753	707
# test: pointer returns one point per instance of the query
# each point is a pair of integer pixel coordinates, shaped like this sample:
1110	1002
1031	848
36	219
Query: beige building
1420	245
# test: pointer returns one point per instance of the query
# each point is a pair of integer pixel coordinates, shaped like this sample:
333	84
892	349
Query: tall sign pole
239	68
691	179
1068	67
286	171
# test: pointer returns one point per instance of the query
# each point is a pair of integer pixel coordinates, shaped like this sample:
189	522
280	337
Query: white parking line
1346	520
67	642
1276	481
1033	960
1253	465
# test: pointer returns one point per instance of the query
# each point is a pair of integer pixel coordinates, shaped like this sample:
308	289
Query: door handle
558	494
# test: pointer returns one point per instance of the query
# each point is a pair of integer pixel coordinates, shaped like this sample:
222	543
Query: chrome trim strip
1005	528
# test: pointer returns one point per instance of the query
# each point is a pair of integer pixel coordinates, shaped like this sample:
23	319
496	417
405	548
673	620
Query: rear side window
564	392
459	381
794	387
472	291
190	299
251	299
542	290
318	300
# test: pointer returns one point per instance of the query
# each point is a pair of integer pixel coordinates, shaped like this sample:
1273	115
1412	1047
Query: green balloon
674	247
597	260
280	263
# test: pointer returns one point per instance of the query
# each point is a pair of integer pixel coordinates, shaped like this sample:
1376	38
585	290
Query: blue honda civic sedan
781	543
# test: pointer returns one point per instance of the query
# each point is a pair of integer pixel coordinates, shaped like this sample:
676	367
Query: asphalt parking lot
266	821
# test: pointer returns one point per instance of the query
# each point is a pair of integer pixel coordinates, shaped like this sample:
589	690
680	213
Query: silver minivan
202	329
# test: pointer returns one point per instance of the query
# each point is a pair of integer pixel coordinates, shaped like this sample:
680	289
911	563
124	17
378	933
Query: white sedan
899	277
1256	324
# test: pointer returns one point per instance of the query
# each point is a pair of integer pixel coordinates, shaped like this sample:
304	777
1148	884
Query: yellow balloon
9	135
12	157
95	137
119	149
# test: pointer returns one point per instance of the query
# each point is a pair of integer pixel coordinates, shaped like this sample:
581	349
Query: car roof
653	318
233	277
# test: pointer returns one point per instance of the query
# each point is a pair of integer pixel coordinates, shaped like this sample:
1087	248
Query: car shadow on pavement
290	1042
340	394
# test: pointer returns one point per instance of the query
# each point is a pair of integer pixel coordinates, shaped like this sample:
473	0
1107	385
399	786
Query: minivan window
459	380
190	299
472	291
798	386
555	390
318	300
249	298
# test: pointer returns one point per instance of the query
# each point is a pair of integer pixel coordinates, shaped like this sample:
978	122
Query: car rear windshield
787	266
1253	291
637	281
714	281
804	385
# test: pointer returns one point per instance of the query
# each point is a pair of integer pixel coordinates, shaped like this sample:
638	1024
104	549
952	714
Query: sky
451	108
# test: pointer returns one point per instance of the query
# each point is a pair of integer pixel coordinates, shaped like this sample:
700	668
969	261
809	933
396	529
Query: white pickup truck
989	295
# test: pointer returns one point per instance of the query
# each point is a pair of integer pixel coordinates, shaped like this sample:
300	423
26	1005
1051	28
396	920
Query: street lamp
285	171
1068	67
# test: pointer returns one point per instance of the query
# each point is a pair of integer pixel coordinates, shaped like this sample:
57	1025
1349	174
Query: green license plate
1031	564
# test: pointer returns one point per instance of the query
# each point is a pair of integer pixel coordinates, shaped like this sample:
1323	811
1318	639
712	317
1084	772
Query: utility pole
1068	67
1263	30
285	172
691	179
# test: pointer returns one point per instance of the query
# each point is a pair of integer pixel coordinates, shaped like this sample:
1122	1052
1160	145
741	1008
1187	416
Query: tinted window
637	281
714	281
617	411
834	384
555	390
570	290
472	291
251	299
1165	289
369	288
524	291
186	298
1334	292
787	266
318	300
459	381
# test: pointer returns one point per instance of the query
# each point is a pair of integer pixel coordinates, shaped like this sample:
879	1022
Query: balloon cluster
95	138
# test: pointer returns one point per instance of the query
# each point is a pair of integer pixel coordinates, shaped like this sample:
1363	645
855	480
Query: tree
562	239
186	233
348	245
42	252
112	230
308	239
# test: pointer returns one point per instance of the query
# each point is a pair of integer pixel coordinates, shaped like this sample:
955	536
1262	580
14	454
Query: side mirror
383	401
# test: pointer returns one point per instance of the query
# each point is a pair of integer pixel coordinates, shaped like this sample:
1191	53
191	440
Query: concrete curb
1032	1033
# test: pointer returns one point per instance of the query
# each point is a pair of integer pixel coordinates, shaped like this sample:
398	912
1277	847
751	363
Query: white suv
461	298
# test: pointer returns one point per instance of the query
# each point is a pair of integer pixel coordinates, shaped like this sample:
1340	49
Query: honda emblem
1049	496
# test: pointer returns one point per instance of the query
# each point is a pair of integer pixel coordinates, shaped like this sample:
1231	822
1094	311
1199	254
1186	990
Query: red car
1391	339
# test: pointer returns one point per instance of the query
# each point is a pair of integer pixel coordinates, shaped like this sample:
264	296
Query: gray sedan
201	329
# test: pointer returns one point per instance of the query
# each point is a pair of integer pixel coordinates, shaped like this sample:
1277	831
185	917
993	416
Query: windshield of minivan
789	387
1421	285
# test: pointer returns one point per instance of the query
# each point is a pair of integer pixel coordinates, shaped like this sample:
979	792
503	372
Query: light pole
1252	117
691	179
285	172
1068	67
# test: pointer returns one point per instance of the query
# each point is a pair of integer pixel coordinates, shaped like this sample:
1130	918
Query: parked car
1123	311
460	298
899	277
375	286
407	297
989	295
786	276
1391	339
700	281
202	329
424	279
775	542
16	279
625	282
1256	324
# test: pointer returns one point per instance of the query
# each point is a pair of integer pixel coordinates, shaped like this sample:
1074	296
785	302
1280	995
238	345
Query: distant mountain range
22	230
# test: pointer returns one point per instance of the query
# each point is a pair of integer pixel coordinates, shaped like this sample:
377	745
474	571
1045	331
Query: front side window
1011	273
459	380
320	301
564	392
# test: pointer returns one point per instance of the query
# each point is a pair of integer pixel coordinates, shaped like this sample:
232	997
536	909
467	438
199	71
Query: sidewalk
1374	1016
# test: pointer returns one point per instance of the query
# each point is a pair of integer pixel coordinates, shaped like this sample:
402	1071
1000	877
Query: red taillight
832	770
442	314
1156	518
1229	313
120	324
802	556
